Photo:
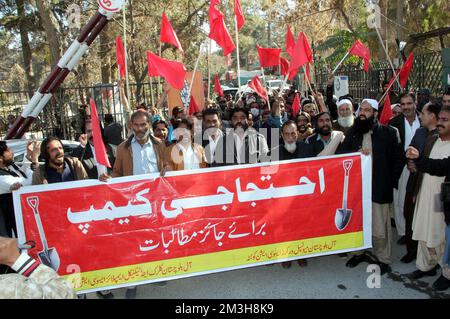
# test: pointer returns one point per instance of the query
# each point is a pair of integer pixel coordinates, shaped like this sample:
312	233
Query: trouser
446	259
381	233
428	258
399	202
411	245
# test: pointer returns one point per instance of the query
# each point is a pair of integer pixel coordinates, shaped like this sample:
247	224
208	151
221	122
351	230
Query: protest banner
142	229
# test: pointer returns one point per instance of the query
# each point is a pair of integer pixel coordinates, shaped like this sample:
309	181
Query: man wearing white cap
383	145
345	116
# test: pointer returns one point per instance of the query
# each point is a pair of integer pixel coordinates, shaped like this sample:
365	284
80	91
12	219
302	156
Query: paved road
324	277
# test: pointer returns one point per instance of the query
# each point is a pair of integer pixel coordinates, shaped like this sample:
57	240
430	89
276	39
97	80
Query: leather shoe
131	293
441	284
286	264
384	268
302	262
356	260
417	274
105	295
408	258
401	240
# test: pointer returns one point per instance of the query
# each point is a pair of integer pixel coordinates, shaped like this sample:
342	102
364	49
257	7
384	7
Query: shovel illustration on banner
343	214
48	256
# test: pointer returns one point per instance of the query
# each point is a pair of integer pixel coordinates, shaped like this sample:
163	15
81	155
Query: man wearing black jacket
383	145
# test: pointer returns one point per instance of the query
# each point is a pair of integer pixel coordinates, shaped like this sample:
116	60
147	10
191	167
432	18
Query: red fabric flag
290	42
168	35
174	72
269	57
217	87
406	69
284	64
296	107
307	47
120	56
193	107
218	31
239	14
301	54
358	49
99	146
386	114
257	86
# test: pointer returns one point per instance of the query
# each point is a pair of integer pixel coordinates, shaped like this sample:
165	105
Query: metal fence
63	116
426	73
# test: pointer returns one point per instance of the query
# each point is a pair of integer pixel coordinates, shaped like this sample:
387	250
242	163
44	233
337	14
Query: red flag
168	35
296	107
174	72
358	49
217	87
256	85
120	56
290	42
302	53
307	47
239	14
269	57
218	31
386	114
193	107
284	64
99	146
406	69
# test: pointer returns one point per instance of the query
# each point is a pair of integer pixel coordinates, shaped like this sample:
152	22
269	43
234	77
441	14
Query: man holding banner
382	143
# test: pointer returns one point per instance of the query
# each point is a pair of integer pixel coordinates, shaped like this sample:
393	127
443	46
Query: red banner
145	228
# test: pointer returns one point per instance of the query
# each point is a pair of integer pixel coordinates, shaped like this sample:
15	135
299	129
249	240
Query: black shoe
302	262
286	264
393	223
356	260
417	274
408	258
401	241
107	295
384	268
131	293
441	284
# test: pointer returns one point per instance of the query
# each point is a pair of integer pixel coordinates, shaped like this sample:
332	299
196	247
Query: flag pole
159	89
209	69
387	54
237	54
125	49
389	88
267	93
195	70
309	85
339	64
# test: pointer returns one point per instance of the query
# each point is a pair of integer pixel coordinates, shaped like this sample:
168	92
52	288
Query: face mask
254	111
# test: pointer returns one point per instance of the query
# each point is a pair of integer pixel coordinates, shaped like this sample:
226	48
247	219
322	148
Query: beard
324	130
346	121
302	128
58	160
140	136
290	147
363	125
8	162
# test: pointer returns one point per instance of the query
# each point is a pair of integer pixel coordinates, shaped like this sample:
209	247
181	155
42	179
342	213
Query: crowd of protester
410	157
